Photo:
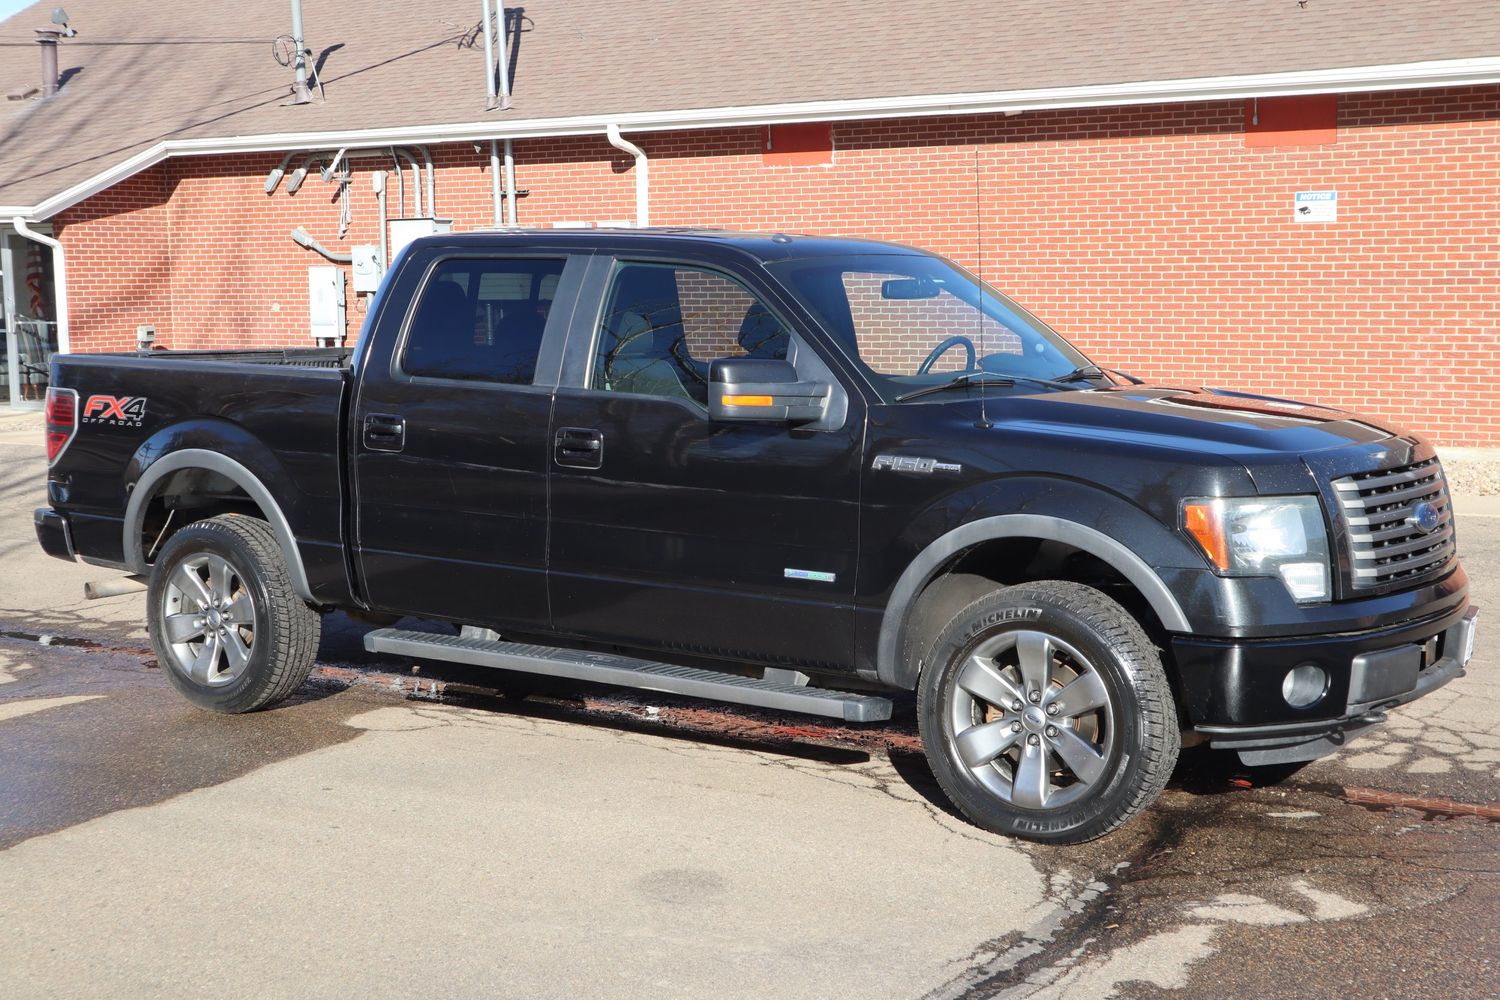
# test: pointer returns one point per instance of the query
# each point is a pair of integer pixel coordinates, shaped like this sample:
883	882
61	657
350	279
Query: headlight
1264	536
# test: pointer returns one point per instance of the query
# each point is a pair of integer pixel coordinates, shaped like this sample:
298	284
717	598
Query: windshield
913	321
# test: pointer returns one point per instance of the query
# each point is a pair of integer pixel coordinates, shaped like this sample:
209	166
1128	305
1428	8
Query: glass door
29	320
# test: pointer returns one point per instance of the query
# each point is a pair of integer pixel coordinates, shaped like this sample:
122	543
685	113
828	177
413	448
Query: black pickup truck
760	468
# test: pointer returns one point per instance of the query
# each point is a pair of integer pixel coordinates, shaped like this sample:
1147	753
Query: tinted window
914	320
482	319
663	325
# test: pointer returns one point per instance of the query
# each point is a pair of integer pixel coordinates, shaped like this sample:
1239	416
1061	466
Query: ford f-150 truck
784	471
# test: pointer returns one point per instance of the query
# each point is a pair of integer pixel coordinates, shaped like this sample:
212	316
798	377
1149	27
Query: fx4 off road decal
118	411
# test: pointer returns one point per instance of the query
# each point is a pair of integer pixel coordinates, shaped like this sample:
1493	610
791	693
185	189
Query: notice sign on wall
1316	206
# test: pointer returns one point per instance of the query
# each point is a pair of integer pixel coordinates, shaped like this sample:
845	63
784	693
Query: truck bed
274	413
294	357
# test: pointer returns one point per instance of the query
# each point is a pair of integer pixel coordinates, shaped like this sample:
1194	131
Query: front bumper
1232	689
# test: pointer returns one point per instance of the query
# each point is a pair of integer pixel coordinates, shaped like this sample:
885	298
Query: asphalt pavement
401	829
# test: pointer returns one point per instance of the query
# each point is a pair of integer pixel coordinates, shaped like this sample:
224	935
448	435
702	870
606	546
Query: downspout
59	277
642	184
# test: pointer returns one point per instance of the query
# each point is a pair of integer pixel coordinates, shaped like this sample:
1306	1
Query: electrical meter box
403	231
368	268
325	304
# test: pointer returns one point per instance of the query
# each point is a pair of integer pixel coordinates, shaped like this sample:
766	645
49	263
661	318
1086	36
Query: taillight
62	420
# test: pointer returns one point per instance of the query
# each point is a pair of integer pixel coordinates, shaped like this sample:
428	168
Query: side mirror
757	389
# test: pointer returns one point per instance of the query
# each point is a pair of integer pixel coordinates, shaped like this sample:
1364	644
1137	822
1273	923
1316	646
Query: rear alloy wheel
1046	714
208	619
227	625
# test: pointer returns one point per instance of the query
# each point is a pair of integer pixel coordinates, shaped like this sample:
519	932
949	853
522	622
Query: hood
1235	425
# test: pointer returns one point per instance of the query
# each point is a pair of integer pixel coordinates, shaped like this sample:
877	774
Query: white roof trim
1398	76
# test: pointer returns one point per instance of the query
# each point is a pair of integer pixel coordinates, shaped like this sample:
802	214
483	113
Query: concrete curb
1471	505
1472	471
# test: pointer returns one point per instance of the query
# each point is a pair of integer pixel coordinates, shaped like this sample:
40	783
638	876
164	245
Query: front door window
663	325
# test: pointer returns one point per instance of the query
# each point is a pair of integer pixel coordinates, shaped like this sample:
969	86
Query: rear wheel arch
198	469
930	589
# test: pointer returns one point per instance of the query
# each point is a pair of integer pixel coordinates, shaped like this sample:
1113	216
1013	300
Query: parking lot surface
414	829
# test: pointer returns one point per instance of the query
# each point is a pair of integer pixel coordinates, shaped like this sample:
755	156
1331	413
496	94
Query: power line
147	41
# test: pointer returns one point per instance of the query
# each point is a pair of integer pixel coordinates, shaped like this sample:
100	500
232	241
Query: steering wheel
943	348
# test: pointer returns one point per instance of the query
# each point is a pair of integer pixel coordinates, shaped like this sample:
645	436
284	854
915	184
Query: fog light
1304	685
1305	581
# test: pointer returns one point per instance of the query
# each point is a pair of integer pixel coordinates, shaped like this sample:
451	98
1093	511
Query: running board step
625	671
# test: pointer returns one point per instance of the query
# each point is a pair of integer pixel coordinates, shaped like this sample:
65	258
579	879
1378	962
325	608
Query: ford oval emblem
1424	517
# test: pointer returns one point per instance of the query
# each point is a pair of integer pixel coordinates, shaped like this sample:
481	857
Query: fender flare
199	458
889	666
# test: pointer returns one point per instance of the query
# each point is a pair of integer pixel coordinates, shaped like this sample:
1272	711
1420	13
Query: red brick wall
119	263
1153	237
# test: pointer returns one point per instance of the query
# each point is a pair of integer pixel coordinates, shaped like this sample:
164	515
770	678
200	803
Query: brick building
1298	200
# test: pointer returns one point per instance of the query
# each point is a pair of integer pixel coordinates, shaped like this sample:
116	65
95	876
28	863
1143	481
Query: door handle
579	447
385	432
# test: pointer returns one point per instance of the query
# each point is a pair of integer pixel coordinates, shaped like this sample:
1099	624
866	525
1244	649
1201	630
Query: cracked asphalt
418	829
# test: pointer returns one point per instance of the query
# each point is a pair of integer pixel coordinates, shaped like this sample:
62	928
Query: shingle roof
398	64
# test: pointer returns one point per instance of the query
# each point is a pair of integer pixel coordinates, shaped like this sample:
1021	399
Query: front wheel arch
898	670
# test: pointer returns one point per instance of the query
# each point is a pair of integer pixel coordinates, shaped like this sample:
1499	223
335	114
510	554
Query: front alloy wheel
1032	720
1045	713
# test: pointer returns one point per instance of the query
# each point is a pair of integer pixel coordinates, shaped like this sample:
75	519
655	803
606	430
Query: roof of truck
762	246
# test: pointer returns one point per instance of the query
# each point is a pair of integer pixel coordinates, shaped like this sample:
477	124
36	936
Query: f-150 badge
912	463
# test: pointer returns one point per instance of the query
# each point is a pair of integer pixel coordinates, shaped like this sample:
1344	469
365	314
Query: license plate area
1384	674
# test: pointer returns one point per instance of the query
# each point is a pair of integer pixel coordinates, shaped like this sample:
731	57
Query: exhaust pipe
95	589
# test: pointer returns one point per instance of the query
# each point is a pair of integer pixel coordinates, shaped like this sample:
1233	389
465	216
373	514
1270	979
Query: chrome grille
1385	546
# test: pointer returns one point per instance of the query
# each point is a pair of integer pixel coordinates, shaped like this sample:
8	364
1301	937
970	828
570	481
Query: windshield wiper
1090	370
979	378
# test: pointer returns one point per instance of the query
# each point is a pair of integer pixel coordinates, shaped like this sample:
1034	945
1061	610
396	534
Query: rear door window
482	319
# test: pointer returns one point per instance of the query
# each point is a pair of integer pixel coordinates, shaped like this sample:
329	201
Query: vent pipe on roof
300	92
48	38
